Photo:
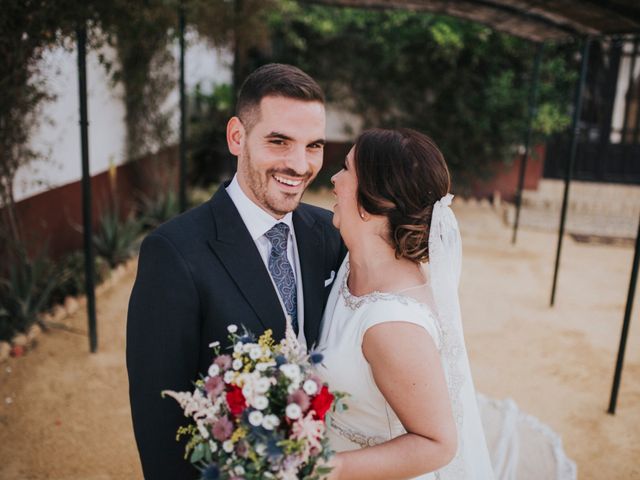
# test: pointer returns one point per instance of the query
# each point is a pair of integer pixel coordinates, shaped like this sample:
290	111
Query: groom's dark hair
274	80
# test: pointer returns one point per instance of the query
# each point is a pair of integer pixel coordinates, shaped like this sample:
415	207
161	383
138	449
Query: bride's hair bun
401	174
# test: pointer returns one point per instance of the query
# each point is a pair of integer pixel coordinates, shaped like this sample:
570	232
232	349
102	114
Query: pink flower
222	429
310	431
242	449
214	386
301	398
224	362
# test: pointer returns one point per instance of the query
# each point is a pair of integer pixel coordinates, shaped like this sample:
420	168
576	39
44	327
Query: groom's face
281	154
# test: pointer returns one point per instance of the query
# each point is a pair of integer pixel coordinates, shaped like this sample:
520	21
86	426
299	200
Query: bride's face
345	188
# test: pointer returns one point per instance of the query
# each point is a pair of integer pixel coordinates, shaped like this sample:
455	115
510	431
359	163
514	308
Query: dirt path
69	416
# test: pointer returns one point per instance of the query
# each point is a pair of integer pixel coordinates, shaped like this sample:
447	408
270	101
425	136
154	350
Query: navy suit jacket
198	273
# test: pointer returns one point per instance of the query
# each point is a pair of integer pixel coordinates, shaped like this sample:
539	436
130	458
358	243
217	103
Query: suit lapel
237	251
310	245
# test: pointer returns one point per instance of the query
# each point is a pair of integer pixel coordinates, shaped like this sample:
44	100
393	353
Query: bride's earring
364	216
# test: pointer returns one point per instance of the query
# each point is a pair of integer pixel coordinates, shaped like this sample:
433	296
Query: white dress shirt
259	222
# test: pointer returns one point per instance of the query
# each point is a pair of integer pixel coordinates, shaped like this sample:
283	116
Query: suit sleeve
163	339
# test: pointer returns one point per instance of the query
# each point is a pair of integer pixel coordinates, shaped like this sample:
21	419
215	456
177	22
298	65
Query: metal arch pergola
541	21
537	21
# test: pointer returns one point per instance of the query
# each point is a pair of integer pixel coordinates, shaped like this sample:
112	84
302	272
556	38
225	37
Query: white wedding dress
522	447
369	420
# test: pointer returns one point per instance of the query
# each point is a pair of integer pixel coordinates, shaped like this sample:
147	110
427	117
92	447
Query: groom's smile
280	154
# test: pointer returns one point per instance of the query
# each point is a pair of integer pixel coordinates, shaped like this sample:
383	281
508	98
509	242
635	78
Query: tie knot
278	235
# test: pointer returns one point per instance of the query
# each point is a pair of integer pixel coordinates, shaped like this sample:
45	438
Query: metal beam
87	230
575	131
183	115
533	108
625	327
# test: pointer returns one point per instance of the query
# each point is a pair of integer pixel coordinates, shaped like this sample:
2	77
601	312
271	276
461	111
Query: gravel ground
64	413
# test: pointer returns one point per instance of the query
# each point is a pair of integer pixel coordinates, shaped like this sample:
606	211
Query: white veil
472	459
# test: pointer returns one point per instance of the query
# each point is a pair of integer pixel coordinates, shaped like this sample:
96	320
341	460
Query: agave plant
157	210
72	275
115	239
25	291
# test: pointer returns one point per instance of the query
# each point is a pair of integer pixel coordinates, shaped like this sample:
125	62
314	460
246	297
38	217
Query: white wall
57	136
619	105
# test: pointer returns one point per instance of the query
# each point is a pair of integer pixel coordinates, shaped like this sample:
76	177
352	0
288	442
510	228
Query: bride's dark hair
401	174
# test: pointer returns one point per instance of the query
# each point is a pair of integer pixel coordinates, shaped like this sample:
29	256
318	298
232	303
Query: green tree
462	83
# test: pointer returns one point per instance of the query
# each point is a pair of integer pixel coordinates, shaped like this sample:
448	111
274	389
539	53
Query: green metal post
575	130
625	327
183	116
87	221
533	107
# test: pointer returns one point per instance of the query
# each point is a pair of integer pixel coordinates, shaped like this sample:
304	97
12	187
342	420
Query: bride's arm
407	370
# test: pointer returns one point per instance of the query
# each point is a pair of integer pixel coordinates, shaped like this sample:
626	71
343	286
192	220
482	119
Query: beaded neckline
354	301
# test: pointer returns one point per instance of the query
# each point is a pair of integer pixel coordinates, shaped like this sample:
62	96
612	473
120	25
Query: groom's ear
235	135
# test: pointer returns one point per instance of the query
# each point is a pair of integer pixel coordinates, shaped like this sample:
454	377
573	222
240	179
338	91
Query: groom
252	255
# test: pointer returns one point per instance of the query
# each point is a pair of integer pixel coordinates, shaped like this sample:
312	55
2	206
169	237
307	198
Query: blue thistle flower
274	452
212	472
316	357
280	360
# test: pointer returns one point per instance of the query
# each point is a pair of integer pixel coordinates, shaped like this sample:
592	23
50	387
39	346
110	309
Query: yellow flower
238	434
266	339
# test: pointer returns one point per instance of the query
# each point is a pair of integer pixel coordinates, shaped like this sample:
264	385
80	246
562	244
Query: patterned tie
281	270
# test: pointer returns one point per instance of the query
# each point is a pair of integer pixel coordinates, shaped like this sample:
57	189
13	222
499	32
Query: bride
391	335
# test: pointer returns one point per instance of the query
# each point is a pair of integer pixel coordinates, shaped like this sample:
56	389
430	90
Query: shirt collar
257	220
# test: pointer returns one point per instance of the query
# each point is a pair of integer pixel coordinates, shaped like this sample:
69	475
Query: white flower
269	423
293	411
248	346
255	418
232	328
213	370
214	344
260	402
213	446
262	366
255	353
229	376
247	391
290	370
310	387
227	446
237	364
237	348
239	470
203	430
262	385
292	388
261	448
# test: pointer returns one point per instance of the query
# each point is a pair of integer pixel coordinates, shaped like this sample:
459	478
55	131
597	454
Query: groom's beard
266	191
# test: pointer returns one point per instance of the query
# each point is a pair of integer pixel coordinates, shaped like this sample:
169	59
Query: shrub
115	239
71	273
157	210
25	290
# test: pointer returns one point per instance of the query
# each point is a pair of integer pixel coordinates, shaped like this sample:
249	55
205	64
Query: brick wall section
54	218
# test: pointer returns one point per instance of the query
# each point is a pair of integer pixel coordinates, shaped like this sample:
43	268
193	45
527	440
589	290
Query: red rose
236	401
321	403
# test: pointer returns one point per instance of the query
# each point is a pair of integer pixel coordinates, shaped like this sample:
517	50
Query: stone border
23	342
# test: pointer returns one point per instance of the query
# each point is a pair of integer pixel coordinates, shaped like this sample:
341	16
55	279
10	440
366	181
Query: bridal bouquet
259	412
